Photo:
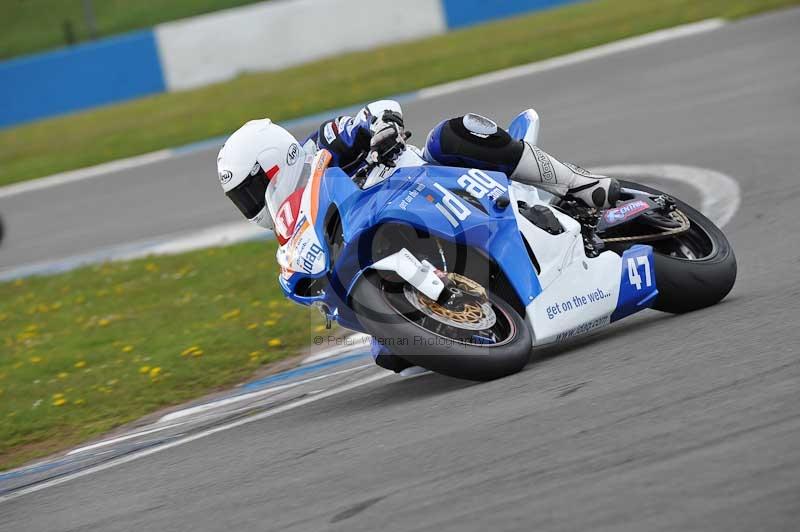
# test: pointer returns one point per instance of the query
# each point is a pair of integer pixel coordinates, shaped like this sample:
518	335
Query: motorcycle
463	272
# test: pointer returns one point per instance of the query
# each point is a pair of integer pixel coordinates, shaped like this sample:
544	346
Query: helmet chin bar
263	219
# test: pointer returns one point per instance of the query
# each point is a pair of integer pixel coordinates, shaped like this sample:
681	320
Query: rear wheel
694	269
480	337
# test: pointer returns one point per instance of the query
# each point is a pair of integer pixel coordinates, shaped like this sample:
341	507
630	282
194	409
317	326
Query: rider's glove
389	139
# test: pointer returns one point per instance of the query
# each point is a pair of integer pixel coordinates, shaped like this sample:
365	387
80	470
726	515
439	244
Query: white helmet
254	155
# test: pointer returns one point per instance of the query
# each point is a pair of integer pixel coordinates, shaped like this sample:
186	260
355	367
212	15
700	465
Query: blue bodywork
416	197
637	265
409	196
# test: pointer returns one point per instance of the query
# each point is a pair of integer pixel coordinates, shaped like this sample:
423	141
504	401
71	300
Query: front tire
411	340
695	269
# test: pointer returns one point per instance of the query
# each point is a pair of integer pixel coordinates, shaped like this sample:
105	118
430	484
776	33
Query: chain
677	215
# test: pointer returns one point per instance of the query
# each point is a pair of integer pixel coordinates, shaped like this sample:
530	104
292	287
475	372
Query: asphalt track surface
659	423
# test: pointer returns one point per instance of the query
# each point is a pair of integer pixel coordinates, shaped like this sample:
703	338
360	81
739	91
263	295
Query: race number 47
633	271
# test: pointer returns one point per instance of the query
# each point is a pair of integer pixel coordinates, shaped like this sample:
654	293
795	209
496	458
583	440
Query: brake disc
476	315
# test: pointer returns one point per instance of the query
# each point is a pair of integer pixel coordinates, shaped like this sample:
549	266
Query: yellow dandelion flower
103	322
319	328
3	317
56	305
270	323
273	304
197	353
151	267
144	369
276	315
57	395
154	372
274	342
189	350
35	360
256	303
63	375
80	364
231	314
19	282
78	402
59	402
127	349
252	326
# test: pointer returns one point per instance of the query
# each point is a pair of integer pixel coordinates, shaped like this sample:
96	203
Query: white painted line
720	194
84	173
570	59
219	235
205	407
112	441
351	342
153	450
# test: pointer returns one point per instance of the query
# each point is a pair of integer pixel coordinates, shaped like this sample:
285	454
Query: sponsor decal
583	328
451	207
625	211
256	169
545	166
307	262
293	154
412	194
560	308
480	184
328	131
578	170
225	176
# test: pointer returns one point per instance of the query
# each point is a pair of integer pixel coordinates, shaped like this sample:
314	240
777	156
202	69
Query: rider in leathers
376	134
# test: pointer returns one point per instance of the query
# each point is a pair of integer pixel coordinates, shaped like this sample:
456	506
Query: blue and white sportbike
463	272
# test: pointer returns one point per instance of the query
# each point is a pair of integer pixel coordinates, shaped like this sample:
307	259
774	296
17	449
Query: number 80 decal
633	272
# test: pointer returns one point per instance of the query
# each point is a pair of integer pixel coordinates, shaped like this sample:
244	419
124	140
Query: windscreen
281	187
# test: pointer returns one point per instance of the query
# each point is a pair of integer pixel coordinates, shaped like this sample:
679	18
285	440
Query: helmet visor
248	196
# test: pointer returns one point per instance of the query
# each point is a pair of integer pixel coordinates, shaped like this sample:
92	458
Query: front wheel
695	269
482	339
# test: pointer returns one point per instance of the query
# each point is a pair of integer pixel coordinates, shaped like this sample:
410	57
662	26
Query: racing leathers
376	135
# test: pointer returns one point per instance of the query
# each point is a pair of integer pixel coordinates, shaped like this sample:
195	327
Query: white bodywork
568	277
419	274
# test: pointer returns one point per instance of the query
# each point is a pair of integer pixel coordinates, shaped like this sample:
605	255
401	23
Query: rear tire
687	284
477	362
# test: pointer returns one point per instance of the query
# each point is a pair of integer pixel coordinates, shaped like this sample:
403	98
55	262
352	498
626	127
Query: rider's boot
538	168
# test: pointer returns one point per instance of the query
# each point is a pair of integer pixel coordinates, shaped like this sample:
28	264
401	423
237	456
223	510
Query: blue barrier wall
83	76
129	66
460	13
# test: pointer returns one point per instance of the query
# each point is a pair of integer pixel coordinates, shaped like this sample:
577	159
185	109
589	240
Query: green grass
92	349
33	25
173	119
